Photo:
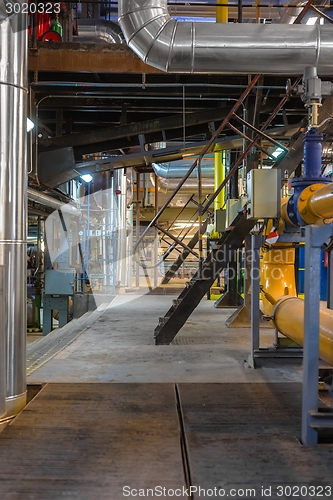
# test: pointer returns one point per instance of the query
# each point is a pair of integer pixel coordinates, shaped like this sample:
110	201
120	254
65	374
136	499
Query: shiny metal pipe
182	47
48	201
189	187
179	169
2	349
121	182
106	31
13	202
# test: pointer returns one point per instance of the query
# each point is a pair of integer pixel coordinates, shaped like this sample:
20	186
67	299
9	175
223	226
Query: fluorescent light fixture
86	177
30	125
277	152
312	20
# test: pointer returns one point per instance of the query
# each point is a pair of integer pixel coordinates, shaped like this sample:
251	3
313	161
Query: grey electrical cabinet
59	282
264	193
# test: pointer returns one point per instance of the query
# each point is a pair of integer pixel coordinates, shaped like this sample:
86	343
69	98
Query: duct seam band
13	242
8	84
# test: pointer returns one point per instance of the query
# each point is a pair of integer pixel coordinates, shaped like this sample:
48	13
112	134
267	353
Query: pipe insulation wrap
13	202
185	47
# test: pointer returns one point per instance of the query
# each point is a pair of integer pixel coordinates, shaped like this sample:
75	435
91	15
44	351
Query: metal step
190	297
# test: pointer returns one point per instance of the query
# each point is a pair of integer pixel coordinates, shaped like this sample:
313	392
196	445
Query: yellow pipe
280	301
222	14
315	203
277	275
218	179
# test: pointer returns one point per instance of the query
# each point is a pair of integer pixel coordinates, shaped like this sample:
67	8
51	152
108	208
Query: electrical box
220	219
264	193
233	207
59	283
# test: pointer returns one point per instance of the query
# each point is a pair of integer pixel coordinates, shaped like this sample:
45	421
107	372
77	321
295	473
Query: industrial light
30	125
86	177
277	152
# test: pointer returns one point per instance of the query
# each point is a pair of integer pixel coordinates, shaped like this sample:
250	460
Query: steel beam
80	57
110	134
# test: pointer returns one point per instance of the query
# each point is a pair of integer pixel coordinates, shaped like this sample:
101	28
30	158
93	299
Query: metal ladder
198	286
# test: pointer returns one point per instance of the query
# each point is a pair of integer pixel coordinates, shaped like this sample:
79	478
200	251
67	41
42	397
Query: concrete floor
119	347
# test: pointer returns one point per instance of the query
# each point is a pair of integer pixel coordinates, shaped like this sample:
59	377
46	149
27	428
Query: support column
255	292
315	236
156	235
13	200
241	318
330	280
231	298
137	230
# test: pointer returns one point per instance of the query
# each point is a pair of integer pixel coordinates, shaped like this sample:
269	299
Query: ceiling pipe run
188	47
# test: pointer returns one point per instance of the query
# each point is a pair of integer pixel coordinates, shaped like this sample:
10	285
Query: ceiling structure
101	99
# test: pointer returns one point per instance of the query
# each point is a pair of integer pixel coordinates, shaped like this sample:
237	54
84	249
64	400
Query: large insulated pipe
13	202
3	374
100	29
48	201
184	47
189	187
179	169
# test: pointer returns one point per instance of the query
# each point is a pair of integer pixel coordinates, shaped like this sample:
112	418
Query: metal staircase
195	289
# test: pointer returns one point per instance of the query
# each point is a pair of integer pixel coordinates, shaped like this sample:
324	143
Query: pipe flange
303	200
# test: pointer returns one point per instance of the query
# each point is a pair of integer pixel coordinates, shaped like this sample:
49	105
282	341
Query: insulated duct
189	187
48	201
178	170
13	202
106	31
183	47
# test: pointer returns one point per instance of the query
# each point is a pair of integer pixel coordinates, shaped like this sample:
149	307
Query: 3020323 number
32	8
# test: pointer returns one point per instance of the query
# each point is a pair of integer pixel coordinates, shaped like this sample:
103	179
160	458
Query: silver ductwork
48	201
13	203
189	187
91	30
179	169
184	47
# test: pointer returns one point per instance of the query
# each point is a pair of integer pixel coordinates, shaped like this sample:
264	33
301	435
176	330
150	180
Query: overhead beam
89	57
53	176
134	129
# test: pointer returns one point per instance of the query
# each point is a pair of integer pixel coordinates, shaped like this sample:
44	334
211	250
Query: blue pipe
312	173
312	153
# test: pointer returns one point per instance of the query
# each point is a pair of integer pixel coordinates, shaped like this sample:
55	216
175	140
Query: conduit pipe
13	201
183	47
